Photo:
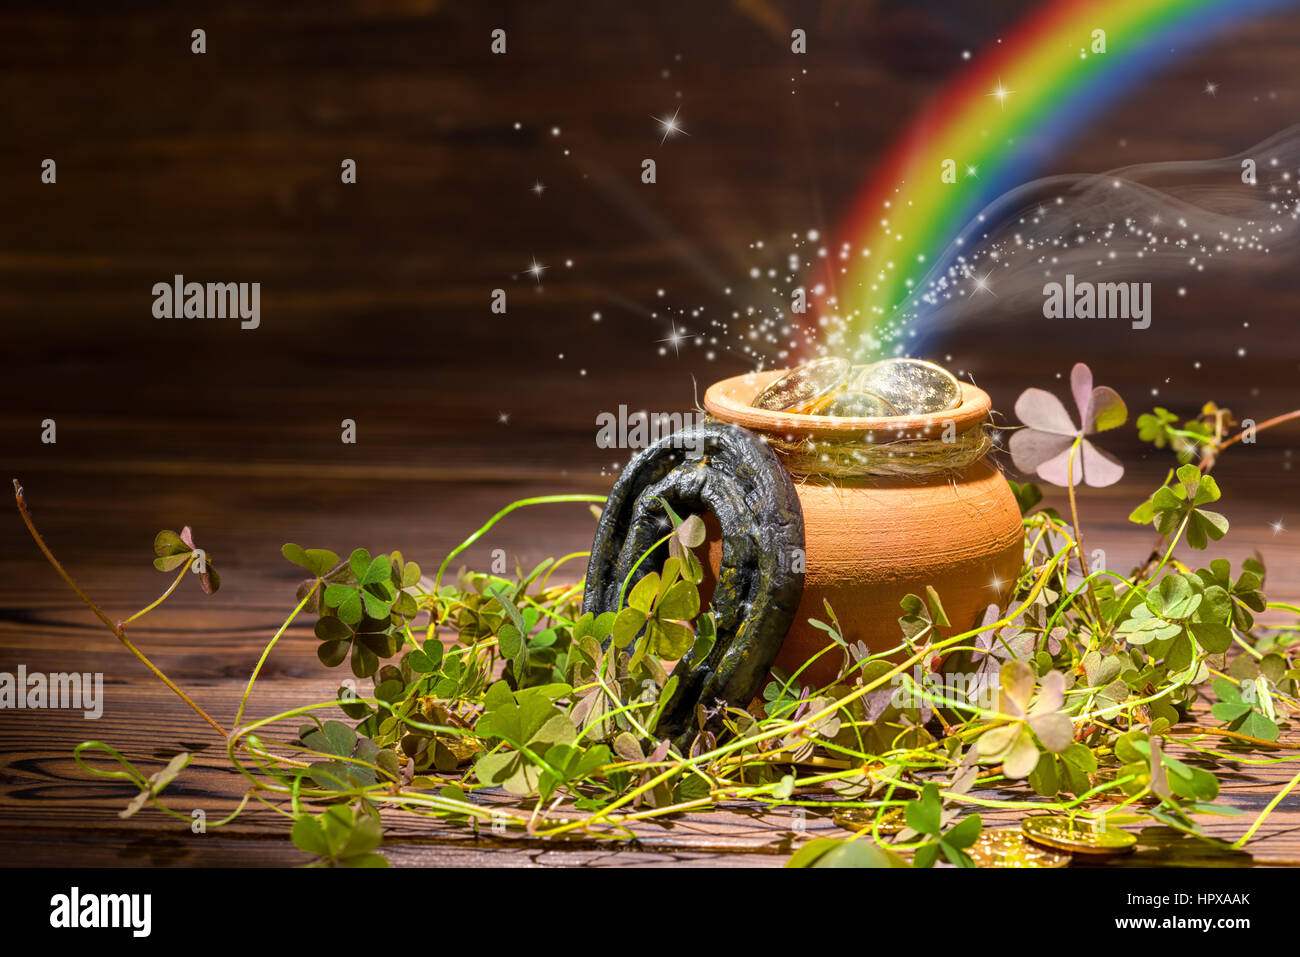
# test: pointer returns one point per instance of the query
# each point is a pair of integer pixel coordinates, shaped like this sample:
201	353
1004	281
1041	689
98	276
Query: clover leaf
1172	505
688	534
1247	708
848	852
1026	716
172	551
1159	428
661	607
925	816
1067	771
1244	592
1178	618
528	725
342	747
318	561
364	604
340	838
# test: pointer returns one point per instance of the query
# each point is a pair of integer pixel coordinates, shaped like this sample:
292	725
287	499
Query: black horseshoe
729	471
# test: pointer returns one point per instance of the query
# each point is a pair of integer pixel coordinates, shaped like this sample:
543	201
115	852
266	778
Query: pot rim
730	400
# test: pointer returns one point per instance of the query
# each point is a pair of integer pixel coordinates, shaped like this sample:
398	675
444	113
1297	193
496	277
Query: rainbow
998	123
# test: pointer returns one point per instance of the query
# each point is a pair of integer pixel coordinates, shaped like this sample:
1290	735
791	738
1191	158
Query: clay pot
870	541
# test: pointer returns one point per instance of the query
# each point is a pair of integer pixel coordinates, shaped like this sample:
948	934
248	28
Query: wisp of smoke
1142	223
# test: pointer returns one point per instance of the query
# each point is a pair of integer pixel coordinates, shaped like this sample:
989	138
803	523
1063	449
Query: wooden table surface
50	813
225	167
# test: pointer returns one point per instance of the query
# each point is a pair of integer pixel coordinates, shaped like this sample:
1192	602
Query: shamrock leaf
340	838
318	561
687	536
529	725
1158	427
363	606
1102	673
1244	592
833	852
1178	617
1046	446
341	747
1025	716
662	608
925	816
1248	709
172	551
1172	505
1067	771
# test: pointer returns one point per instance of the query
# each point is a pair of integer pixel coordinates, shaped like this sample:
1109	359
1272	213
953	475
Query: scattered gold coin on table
804	386
856	818
1008	847
1075	836
912	386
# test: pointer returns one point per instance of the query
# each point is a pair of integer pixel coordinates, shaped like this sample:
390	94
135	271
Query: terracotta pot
870	541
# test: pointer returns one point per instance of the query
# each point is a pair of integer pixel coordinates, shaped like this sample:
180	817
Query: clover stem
539	500
266	652
116	628
1078	530
161	598
1268	809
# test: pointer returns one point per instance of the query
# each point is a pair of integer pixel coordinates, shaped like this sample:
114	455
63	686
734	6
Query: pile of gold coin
836	387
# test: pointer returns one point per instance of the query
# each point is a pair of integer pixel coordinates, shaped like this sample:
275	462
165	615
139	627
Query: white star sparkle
1000	93
674	339
670	126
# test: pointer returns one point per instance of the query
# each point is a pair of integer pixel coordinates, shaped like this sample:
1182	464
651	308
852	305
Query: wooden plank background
225	167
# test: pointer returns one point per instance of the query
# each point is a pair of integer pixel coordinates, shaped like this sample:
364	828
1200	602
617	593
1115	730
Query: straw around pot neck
856	457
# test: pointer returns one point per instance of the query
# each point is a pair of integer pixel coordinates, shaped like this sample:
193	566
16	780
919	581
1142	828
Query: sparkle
982	283
670	126
1211	88
538	187
503	418
536	270
1000	93
674	339
1278	527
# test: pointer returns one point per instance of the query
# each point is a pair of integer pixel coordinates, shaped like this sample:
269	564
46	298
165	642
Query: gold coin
856	818
857	405
1008	847
912	386
1077	837
802	387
